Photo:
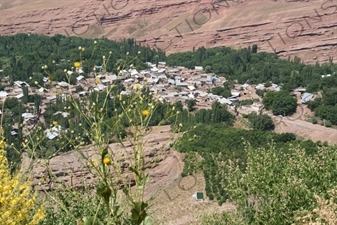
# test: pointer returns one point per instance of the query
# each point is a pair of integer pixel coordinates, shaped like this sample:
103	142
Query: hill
176	25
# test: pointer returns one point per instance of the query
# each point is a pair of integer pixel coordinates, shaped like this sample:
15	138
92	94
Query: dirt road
305	129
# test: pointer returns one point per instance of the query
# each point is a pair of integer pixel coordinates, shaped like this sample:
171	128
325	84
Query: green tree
261	121
191	104
281	103
254	48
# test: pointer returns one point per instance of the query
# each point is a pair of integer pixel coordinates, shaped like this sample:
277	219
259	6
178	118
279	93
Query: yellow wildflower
18	204
49	78
120	97
145	112
77	64
97	80
107	161
137	86
23	144
2	144
55	123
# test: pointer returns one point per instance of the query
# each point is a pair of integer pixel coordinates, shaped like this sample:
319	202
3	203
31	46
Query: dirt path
306	129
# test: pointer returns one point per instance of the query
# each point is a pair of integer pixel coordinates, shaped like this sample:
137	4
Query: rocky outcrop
73	170
307	29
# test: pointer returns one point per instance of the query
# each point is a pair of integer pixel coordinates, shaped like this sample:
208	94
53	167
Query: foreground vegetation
278	187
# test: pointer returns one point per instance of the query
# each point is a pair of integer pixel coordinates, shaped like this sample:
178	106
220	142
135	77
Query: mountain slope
303	28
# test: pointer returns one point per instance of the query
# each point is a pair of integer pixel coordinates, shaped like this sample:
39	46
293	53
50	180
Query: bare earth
287	27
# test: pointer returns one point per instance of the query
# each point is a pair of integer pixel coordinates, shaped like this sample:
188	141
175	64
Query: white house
3	94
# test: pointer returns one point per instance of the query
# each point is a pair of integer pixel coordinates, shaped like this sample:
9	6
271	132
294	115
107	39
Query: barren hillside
288	27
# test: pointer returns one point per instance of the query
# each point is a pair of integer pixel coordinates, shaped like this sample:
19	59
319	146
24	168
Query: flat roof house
306	97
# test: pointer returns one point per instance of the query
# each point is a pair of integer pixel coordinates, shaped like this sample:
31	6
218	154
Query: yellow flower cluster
77	64
145	112
17	204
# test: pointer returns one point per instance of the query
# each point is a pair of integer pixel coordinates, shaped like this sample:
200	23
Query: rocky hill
287	27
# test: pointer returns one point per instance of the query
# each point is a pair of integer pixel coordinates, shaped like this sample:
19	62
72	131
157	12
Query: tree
254	48
281	103
190	104
208	69
261	121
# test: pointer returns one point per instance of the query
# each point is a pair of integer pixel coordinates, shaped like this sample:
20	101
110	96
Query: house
154	69
28	116
235	94
19	96
192	88
133	72
15	129
278	88
112	78
181	84
99	87
306	97
161	64
79	78
171	81
161	71
260	86
53	132
225	101
128	80
300	90
212	96
51	98
245	86
162	76
64	114
124	93
198	196
174	71
106	81
82	93
21	83
41	90
63	84
3	94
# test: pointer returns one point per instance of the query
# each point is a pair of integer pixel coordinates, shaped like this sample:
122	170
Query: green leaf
104	153
147	221
138	213
104	192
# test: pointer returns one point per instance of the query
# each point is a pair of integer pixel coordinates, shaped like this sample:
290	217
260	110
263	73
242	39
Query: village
166	84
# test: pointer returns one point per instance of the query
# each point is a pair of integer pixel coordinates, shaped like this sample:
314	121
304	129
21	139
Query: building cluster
169	84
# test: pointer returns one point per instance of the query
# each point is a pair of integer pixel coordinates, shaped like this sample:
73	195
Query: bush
314	120
327	123
261	121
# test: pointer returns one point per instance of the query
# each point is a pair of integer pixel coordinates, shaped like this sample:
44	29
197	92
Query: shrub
18	205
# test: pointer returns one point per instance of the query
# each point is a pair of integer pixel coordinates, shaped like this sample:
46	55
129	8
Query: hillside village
166	84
